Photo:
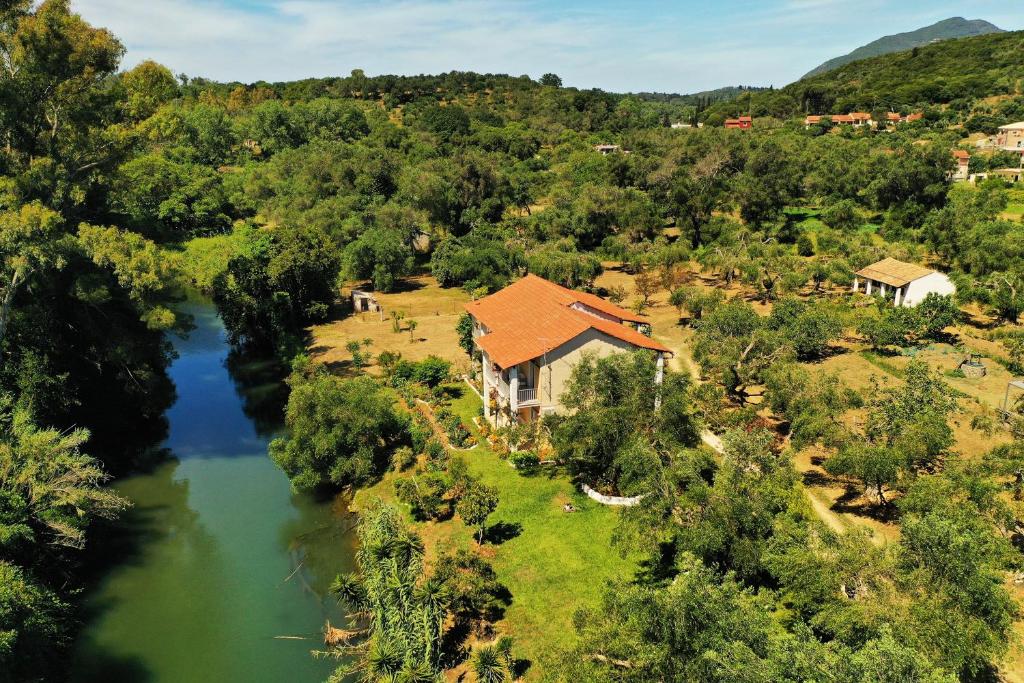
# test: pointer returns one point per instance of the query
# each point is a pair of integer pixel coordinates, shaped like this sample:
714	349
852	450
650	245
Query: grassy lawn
1015	207
807	219
553	562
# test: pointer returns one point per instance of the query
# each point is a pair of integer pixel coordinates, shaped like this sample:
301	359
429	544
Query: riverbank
217	559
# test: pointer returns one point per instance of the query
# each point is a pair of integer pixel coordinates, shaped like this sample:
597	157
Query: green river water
217	559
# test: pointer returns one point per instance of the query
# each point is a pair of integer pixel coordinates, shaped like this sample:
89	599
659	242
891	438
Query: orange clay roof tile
533	316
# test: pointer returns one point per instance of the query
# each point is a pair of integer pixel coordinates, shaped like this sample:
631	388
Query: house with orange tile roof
861	118
858	119
532	334
963	164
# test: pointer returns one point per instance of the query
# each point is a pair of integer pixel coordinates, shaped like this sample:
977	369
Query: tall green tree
30	241
341	432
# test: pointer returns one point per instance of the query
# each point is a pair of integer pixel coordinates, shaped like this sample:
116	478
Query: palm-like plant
404	614
489	665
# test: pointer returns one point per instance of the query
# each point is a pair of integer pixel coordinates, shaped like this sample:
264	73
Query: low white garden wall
611	500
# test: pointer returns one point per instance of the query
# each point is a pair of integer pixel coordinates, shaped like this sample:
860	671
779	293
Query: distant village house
1011	137
859	119
963	163
532	333
907	283
364	301
1009	175
607	149
743	123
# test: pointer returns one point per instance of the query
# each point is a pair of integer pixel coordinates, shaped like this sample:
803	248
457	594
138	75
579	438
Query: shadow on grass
851	502
403	285
830	351
817	479
451	392
520	667
343	368
531	471
453	645
500	532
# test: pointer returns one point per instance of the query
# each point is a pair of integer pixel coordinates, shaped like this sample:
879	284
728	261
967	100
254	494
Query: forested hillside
950	78
947	29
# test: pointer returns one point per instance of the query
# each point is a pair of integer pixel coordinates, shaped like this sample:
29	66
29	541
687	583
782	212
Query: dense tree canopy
340	432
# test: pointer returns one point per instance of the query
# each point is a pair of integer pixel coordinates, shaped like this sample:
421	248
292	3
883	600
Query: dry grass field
435	310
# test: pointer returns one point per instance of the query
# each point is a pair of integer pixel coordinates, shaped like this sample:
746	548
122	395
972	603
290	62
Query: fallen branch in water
334	637
297	568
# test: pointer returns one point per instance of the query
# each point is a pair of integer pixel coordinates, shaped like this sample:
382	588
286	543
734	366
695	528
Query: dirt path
684	361
825	513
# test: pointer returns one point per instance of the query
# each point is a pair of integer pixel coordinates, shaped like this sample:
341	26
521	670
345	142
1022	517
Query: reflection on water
217	559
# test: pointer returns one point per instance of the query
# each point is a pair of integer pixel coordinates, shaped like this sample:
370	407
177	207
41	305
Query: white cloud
289	39
634	46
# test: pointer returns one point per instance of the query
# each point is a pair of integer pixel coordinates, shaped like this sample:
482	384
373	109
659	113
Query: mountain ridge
947	29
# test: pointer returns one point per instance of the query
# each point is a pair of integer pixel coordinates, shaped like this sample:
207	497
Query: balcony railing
528	395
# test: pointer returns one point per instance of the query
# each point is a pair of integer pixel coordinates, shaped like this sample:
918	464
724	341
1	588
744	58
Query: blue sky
681	46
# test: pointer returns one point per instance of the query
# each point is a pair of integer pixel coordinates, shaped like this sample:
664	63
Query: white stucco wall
921	287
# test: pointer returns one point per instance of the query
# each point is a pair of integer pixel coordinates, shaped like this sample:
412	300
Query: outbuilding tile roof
533	316
894	273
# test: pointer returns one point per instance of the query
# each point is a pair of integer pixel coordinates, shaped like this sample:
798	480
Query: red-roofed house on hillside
743	123
860	118
532	333
963	164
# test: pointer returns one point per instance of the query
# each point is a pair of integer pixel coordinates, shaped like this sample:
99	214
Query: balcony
528	397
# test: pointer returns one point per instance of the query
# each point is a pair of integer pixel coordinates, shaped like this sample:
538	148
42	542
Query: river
217	559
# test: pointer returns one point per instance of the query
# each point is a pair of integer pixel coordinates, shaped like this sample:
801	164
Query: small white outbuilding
907	283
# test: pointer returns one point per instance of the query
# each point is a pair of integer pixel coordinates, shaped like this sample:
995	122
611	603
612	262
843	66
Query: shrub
525	461
471	585
464	328
842	215
479	259
403	458
437	455
935	314
888	328
431	371
425	495
341	431
419	433
387	361
458	434
476	506
804	245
